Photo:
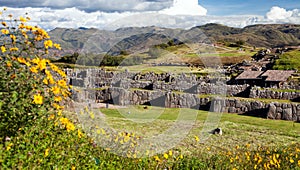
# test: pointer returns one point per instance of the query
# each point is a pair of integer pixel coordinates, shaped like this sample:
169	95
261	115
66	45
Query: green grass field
246	143
238	129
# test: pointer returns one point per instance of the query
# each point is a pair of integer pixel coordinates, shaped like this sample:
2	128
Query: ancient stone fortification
95	78
268	93
179	91
285	111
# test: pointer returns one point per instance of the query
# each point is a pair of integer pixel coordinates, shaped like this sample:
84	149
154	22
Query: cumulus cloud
185	7
93	5
49	18
278	13
281	15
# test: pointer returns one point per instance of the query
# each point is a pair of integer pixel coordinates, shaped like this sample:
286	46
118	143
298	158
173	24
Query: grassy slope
288	61
238	130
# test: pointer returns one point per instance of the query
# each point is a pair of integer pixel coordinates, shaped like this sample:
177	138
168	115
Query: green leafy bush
30	86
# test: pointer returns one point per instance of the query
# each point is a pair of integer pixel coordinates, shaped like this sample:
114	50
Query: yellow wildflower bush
31	86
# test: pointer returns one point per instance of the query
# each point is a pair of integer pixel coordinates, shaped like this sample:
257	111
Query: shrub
31	86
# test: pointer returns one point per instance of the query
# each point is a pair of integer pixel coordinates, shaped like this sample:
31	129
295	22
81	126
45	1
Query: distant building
269	78
250	77
276	77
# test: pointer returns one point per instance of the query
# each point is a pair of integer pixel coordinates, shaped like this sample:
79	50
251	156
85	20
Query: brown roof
278	75
249	75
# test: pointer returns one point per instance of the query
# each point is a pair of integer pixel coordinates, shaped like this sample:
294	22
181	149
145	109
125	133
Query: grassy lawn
238	130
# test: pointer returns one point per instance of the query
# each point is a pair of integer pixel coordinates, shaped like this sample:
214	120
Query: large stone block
272	111
287	114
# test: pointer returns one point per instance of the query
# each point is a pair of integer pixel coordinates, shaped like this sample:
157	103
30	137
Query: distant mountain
132	39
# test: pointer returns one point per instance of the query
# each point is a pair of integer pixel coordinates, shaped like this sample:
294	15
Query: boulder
272	111
287	114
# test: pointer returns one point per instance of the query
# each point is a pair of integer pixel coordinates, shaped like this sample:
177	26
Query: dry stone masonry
180	91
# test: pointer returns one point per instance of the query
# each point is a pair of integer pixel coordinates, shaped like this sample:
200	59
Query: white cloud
185	7
73	18
277	13
92	5
280	15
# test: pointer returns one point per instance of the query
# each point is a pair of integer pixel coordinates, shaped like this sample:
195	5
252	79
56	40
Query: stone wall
120	96
284	111
189	83
178	91
268	93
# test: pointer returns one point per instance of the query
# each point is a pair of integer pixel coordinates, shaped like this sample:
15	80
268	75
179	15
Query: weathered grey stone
287	114
278	116
256	105
238	104
232	110
279	110
272	111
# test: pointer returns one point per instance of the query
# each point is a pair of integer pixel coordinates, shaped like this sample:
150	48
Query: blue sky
245	7
113	14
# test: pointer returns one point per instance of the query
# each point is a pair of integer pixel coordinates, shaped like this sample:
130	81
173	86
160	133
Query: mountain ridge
100	41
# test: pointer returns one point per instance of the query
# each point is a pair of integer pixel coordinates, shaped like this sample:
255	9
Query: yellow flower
13	38
45	81
48	43
92	115
126	139
46	152
52	116
9	146
70	127
57	46
170	153
4	24
157	158
21	60
22	26
298	162
196	138
23	19
42	64
73	168
62	83
38	99
57	107
292	160
181	156
59	113
36	60
14	49
54	67
166	156
33	70
80	134
51	80
57	99
62	73
55	90
64	120
8	64
5	31
3	49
